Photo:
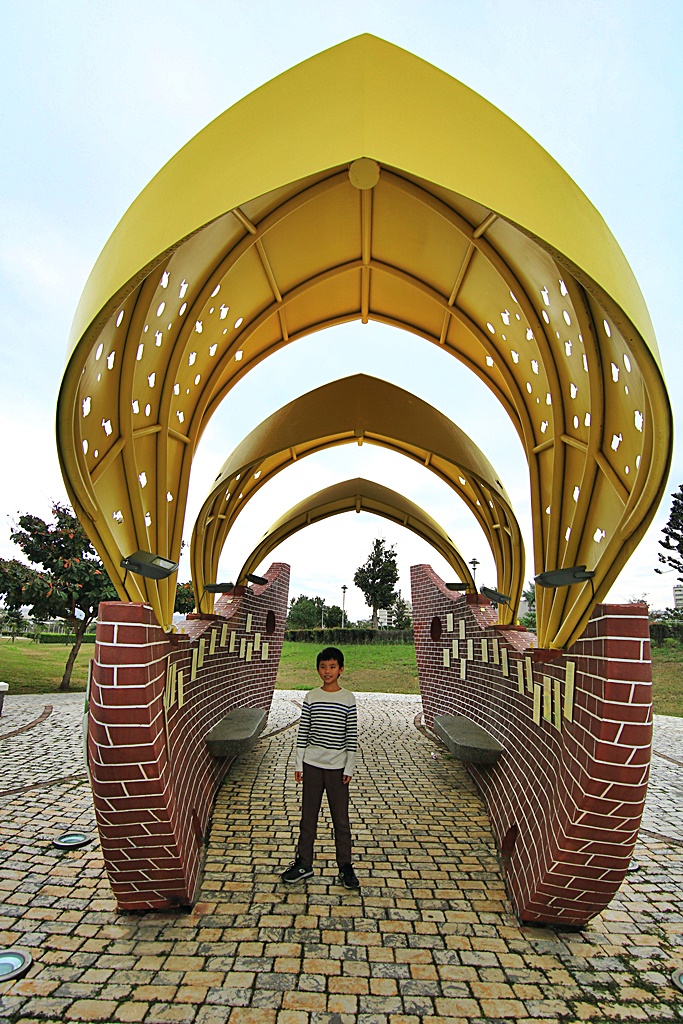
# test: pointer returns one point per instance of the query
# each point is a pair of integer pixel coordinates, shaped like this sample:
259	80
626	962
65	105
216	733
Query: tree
184	598
377	577
71	584
673	533
305	612
529	595
12	620
400	614
333	616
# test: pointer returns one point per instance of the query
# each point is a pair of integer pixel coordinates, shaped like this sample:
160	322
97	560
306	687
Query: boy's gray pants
331	781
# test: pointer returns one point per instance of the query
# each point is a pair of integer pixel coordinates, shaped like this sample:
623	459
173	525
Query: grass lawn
667	679
38	668
383	668
369	668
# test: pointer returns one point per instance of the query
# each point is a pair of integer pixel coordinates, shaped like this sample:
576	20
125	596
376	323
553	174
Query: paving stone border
47	711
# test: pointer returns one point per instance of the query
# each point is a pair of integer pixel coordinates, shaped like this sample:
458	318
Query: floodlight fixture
564	577
259	580
457	586
153	567
14	963
495	595
216	588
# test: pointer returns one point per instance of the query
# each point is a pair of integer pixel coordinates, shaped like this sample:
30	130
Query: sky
97	96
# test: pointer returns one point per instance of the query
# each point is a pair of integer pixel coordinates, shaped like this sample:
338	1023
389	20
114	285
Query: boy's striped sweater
328	732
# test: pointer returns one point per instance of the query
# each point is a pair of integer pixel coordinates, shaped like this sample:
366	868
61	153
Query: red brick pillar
566	797
128	756
153	699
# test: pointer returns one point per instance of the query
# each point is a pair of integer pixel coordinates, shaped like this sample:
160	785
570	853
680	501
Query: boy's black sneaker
347	877
296	872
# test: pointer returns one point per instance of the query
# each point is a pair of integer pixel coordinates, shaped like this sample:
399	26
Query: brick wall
566	797
153	699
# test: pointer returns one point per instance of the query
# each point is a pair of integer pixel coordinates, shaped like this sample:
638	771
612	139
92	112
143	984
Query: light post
474	563
344	589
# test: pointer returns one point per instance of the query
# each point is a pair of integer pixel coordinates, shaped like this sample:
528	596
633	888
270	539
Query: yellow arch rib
361	409
333	194
358	495
362	98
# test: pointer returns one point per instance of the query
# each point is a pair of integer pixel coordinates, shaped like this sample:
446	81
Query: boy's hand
299	776
346	779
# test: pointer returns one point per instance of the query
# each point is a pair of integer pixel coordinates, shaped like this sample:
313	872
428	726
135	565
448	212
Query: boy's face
329	671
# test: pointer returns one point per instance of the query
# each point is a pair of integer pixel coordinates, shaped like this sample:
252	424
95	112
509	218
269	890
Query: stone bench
237	732
467	740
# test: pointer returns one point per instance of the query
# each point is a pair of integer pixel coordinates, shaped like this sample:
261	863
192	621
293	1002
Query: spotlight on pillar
216	588
153	567
495	595
259	580
457	586
564	577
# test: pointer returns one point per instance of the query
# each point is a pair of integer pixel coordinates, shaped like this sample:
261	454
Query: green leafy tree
38	626
12	621
529	618
377	578
305	612
673	537
70	583
400	613
333	616
184	598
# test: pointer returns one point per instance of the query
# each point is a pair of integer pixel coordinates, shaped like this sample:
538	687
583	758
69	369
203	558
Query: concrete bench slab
237	732
467	740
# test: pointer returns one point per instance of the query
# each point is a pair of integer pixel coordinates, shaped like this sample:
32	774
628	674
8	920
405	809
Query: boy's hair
330	654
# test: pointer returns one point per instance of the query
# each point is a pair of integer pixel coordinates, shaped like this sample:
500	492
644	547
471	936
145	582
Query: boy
325	758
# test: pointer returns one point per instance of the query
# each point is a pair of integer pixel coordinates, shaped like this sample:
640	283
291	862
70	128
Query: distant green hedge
64	638
667	629
340	636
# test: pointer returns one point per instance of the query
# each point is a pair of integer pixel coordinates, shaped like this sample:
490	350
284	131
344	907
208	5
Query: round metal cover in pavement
72	840
14	963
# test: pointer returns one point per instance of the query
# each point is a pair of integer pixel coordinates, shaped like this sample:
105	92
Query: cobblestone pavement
430	937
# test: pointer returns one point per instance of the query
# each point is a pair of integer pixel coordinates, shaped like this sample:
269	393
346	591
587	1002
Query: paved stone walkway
431	936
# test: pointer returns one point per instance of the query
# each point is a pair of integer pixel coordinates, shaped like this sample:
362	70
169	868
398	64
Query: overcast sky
98	95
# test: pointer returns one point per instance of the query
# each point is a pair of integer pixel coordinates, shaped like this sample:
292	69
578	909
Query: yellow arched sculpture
359	409
358	495
367	184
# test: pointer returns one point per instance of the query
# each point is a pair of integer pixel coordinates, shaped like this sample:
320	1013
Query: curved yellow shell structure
366	184
358	495
361	409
